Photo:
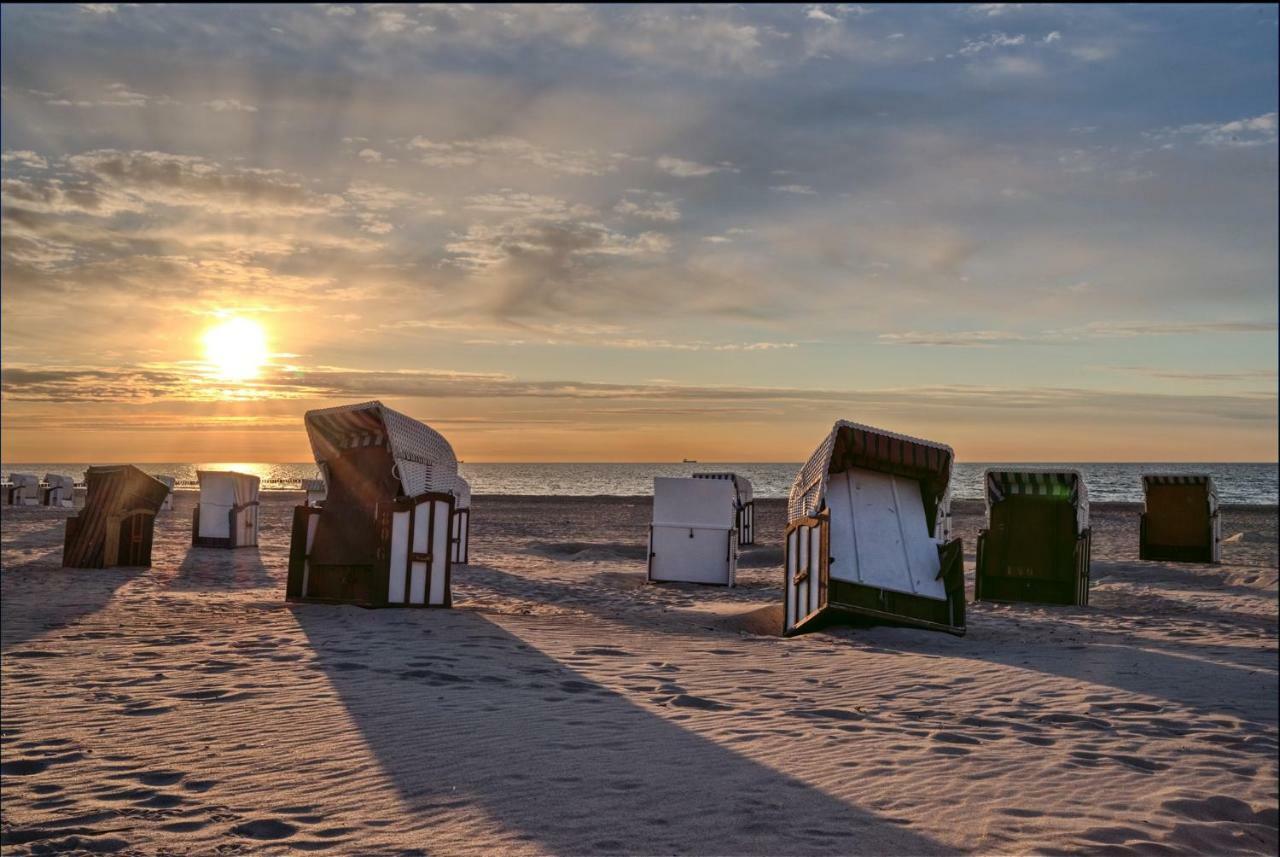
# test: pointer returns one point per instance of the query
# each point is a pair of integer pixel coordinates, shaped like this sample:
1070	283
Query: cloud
370	156
26	158
465	153
230	105
991	42
793	188
681	168
1252	131
1068	336
1148	328
656	207
955	339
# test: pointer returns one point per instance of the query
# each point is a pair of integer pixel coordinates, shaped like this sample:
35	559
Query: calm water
1237	483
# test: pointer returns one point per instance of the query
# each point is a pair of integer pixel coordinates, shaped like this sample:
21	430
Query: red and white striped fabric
852	444
424	460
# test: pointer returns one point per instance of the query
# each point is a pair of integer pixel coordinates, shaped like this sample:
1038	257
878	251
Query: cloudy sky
643	233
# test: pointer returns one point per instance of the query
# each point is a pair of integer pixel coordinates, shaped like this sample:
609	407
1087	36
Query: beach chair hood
1042	482
855	445
424	460
741	484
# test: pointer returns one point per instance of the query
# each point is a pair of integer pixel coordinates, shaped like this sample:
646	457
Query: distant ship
690	461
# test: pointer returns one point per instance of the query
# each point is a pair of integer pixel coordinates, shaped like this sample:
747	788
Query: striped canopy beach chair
868	533
1180	521
383	536
227	514
743	502
1037	542
116	525
59	491
461	536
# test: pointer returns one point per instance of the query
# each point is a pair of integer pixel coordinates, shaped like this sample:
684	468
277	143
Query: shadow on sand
464	715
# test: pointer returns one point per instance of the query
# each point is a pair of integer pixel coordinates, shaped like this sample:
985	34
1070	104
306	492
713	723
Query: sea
1251	484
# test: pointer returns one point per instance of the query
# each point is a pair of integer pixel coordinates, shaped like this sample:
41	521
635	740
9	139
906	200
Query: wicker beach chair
382	537
1180	521
743	502
868	533
227	514
461	525
23	489
59	491
1037	542
693	537
117	523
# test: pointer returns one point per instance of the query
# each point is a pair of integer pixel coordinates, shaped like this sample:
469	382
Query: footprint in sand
264	829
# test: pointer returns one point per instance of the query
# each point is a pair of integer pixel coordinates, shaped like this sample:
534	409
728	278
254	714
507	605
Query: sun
236	349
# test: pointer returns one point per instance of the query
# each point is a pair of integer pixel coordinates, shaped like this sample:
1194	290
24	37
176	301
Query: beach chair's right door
807	568
419	558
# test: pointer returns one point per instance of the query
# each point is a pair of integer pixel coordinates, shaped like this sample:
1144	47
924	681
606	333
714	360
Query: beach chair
382	537
461	523
23	490
1037	542
169	481
315	490
116	525
693	537
226	515
868	525
1180	521
59	491
743	502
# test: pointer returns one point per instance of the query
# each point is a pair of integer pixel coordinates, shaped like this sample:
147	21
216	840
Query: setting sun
236	349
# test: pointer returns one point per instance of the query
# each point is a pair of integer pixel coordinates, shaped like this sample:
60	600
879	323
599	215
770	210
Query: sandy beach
565	706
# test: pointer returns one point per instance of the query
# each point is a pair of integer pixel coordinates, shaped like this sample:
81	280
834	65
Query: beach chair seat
383	536
868	534
1180	520
1036	546
461	525
116	525
226	515
744	502
693	537
59	491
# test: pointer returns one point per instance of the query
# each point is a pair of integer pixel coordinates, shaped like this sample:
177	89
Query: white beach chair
693	537
868	527
383	536
227	514
315	491
23	490
59	491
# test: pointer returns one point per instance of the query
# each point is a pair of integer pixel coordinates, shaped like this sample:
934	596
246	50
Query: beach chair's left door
807	569
419	558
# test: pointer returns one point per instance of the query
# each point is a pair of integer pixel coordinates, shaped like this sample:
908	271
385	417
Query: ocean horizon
1238	483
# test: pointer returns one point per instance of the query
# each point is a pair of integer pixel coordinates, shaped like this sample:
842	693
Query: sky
641	233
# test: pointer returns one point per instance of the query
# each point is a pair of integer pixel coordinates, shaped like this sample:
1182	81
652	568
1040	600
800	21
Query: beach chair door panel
418	556
879	535
807	568
691	554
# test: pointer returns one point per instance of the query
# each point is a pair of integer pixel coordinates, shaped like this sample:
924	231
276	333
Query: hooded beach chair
116	525
743	502
167	506
59	491
693	537
868	521
382	537
1037	541
314	489
227	514
1180	521
461	536
23	490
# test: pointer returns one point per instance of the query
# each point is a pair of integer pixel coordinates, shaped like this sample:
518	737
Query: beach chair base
1207	552
242	523
1060	577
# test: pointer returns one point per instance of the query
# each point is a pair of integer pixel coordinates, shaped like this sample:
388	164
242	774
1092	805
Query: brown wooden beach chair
867	533
1180	520
1037	542
383	536
116	525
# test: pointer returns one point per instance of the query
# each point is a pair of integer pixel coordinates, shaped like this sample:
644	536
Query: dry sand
564	706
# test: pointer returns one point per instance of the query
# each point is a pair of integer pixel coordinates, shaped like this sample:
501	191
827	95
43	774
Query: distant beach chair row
868	523
27	489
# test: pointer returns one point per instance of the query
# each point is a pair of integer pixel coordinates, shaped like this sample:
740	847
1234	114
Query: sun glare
236	349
